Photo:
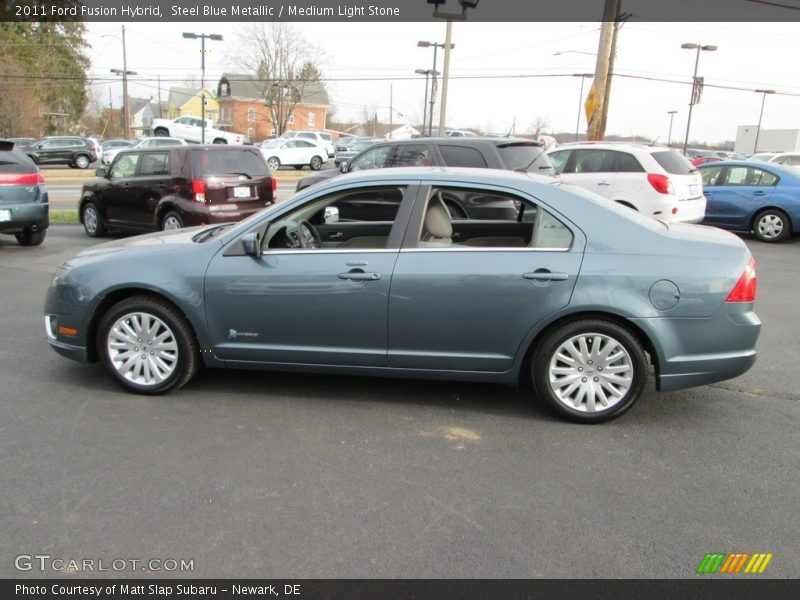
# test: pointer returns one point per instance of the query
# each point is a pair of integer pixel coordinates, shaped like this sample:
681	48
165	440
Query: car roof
758	164
444	174
466	141
613	146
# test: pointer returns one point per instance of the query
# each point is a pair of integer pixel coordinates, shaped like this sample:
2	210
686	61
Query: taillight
274	187
21	178
199	190
745	288
660	183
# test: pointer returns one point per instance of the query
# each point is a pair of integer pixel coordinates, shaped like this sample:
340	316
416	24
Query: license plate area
5	215
243	191
693	190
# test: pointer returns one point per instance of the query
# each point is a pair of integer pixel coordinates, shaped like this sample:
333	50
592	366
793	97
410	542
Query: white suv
655	180
320	139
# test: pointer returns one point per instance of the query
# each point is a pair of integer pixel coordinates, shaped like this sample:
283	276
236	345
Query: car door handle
604	183
759	193
360	276
545	275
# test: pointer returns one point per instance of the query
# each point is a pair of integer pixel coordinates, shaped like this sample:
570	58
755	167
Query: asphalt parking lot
277	475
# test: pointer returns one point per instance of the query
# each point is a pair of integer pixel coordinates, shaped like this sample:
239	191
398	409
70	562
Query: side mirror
101	172
331	214
343	166
251	244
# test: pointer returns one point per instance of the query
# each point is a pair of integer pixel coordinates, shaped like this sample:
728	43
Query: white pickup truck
191	128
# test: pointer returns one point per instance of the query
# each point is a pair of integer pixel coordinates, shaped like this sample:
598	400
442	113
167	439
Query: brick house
242	108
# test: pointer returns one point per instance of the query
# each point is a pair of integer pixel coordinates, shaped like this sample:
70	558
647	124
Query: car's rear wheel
316	163
28	237
273	163
92	221
590	370
161	133
82	161
147	345
171	221
220	141
771	225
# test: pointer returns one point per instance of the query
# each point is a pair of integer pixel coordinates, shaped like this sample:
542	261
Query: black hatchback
23	197
171	187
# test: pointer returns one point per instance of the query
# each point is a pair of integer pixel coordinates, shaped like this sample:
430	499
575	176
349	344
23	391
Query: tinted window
525	156
227	162
673	162
125	165
591	161
412	155
155	163
378	205
15	161
627	163
166	143
462	156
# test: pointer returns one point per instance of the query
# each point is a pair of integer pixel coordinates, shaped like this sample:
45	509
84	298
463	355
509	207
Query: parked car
346	153
319	138
654	180
191	129
24	207
116	145
459	133
21	142
293	152
150	142
571	301
343	143
494	153
176	186
73	151
763	156
753	196
791	159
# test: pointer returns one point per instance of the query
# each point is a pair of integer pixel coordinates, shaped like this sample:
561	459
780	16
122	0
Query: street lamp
695	87
203	36
427	73
671	114
125	107
583	77
760	115
434	73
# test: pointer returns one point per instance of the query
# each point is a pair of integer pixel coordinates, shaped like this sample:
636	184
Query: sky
502	74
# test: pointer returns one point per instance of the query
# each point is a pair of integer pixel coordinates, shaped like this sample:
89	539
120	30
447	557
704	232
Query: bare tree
538	126
284	65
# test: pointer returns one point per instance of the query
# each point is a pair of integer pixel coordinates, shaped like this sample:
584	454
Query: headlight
58	276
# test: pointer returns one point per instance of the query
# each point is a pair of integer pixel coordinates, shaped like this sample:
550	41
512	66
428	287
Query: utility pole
203	36
126	106
610	78
391	112
610	14
159	96
445	77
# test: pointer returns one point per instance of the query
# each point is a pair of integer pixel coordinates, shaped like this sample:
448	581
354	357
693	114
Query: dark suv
23	197
171	187
73	151
514	154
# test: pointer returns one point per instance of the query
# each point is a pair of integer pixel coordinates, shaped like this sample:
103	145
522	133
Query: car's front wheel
273	163
148	345
92	221
316	163
82	161
771	225
590	370
28	237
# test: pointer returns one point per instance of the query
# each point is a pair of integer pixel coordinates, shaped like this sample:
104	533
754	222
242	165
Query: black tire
92	221
316	163
576	406
772	225
28	237
185	360
220	141
169	220
161	132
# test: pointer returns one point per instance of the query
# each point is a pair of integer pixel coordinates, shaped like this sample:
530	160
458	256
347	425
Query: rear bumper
692	352
33	216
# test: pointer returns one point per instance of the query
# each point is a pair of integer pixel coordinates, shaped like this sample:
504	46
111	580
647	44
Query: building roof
243	86
137	104
179	96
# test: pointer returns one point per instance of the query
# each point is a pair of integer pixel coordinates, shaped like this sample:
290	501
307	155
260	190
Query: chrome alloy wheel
590	372
770	226
171	223
142	349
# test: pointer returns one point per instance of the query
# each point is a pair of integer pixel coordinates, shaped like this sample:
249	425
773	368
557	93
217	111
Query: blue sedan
368	274
753	196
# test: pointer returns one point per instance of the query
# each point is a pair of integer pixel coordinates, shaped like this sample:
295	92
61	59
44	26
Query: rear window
16	161
526	157
673	162
215	161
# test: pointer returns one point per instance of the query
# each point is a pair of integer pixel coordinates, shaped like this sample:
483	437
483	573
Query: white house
404	132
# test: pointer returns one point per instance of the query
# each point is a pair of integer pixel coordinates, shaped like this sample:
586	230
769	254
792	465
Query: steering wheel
304	235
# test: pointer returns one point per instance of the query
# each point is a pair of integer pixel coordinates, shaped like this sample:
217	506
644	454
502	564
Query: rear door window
627	163
591	161
125	165
462	156
154	163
